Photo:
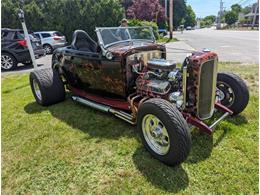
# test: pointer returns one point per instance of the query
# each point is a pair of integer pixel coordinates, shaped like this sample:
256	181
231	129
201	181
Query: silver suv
51	40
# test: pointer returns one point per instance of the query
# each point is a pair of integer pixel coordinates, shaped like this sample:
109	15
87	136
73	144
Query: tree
246	9
126	4
65	16
190	18
209	20
236	8
153	10
179	12
231	17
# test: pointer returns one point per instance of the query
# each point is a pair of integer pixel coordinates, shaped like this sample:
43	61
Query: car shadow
170	179
102	125
98	124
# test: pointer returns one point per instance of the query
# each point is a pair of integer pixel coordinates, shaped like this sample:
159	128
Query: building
252	18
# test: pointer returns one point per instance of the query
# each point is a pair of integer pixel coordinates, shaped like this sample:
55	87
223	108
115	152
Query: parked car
188	28
14	48
51	40
130	78
162	31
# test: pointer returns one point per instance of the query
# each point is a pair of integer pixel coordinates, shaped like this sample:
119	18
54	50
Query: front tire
164	131
47	86
233	92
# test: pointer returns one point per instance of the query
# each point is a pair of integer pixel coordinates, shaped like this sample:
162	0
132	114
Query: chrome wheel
225	94
37	89
6	62
155	134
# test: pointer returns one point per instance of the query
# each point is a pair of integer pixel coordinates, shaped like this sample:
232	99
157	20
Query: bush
231	17
135	22
65	16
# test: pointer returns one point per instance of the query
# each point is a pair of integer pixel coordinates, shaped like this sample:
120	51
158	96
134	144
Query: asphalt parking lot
42	62
230	45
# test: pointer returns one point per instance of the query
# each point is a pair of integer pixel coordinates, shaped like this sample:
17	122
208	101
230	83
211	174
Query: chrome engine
160	78
191	88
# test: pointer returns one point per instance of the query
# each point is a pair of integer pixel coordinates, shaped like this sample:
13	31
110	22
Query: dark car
14	48
129	77
162	31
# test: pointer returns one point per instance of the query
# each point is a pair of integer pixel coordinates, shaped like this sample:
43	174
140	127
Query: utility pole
166	7
255	14
220	13
171	17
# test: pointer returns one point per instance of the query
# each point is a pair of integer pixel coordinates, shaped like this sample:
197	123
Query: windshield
113	35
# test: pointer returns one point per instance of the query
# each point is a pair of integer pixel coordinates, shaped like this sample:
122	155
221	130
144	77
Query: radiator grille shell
206	90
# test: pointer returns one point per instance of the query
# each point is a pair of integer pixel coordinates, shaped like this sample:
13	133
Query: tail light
22	43
56	38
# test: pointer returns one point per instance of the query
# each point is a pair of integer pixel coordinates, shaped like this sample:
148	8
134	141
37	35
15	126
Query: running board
120	114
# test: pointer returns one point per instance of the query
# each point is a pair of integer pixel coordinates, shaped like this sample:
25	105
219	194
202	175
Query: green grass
69	148
166	40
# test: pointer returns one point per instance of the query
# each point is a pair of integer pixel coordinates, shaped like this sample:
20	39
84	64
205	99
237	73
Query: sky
204	8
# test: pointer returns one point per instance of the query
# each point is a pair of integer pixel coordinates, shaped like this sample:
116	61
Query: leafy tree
179	12
246	9
209	20
190	19
153	10
236	8
136	22
65	16
126	4
231	17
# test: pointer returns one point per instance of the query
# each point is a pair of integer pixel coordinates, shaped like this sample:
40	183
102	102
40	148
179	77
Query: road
230	45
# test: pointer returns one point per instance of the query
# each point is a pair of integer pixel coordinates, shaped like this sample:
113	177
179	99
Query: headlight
109	55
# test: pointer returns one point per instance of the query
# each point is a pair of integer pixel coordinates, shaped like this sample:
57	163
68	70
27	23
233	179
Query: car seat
83	42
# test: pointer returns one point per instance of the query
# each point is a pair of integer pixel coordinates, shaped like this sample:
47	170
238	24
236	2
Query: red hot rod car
126	73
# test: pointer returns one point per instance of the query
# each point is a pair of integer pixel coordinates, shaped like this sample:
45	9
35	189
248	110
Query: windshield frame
101	43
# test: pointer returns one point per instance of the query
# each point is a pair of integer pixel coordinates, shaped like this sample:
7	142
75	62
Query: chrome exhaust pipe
120	114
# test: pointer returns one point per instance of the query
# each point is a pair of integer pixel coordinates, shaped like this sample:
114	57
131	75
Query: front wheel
164	131
232	92
47	86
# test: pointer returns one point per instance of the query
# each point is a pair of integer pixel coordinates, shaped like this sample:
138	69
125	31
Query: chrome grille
207	89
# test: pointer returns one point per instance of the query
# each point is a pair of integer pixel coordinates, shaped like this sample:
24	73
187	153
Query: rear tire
47	86
8	61
234	92
48	49
164	131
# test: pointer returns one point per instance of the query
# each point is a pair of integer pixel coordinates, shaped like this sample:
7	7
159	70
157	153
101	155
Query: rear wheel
8	61
164	131
232	92
47	48
47	86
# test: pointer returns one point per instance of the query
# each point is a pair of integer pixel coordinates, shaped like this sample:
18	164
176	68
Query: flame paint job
93	71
